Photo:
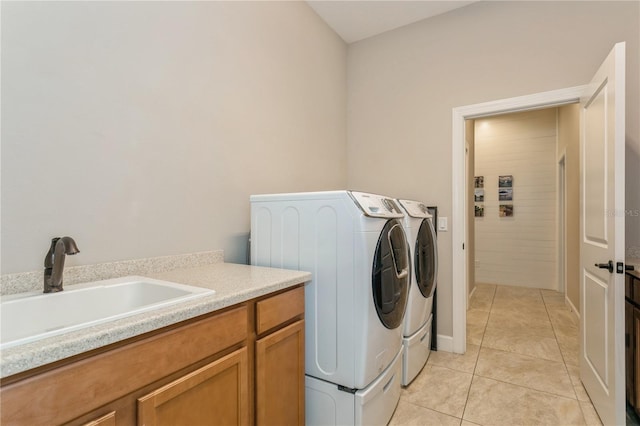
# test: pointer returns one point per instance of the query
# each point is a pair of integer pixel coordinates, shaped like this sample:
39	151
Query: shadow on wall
236	248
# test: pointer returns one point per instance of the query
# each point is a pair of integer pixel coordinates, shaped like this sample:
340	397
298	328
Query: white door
602	239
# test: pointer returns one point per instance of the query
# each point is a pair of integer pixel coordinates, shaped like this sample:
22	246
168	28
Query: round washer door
390	276
426	258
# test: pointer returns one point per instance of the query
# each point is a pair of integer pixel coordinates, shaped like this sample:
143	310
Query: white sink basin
32	316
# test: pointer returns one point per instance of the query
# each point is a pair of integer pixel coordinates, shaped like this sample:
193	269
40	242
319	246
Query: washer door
426	258
391	275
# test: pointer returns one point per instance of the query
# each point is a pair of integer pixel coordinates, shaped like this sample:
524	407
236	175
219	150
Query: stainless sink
28	317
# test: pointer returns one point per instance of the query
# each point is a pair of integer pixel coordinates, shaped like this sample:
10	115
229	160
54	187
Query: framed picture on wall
505	194
479	210
478	194
479	182
505	181
506	210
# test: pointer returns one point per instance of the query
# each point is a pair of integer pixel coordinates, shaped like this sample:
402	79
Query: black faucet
54	262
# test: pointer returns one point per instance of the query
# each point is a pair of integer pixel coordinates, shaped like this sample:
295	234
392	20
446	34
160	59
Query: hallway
521	367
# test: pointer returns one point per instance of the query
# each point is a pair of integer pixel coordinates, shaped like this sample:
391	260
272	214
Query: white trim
475	287
572	307
561	221
445	343
458	190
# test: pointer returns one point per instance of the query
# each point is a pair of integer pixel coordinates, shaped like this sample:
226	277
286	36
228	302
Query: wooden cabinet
242	365
280	360
108	419
219	391
632	341
280	377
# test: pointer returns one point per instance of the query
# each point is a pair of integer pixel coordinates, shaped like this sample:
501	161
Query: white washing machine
354	245
421	237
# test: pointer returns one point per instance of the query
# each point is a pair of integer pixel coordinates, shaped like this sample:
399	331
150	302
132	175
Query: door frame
562	222
459	227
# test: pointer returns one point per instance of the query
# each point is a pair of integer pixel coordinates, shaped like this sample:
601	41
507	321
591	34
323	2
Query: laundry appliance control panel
415	208
376	205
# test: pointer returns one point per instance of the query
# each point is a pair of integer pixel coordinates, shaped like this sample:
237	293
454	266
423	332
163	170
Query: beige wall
569	145
141	128
520	250
403	85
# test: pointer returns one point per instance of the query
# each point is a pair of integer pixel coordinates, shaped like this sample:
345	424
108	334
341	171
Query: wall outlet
443	224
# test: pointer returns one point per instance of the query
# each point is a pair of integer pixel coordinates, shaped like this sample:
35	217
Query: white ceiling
355	20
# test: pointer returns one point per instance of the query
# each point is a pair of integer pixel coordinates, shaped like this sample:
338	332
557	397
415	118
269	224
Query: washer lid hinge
346	389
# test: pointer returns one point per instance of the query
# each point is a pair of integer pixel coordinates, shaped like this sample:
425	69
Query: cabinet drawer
278	309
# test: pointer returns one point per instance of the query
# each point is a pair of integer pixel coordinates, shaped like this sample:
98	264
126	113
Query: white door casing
458	226
602	174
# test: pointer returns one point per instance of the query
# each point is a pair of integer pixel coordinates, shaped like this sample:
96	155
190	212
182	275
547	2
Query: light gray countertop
232	283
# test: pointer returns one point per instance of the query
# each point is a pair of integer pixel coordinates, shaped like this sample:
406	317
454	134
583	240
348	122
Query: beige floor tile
565	331
590	415
521	366
476	323
550	293
475	333
518	321
482	303
522	342
553	299
484	292
570	349
535	373
440	389
476	316
574	375
486	287
496	403
408	414
536	308
465	363
563	317
518	292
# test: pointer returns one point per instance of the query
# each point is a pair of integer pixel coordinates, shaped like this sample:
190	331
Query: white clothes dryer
421	236
354	245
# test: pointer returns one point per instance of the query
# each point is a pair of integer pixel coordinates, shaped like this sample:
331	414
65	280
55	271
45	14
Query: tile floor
521	367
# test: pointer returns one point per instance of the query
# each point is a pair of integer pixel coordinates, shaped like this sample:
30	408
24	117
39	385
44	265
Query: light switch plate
443	224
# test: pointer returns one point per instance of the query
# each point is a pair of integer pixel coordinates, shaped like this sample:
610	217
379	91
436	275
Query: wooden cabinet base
280	377
242	365
218	390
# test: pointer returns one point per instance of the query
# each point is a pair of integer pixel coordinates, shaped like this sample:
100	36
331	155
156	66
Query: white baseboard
573	309
445	343
471	295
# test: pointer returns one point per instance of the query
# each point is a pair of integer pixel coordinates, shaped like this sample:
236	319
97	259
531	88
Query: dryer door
391	275
426	258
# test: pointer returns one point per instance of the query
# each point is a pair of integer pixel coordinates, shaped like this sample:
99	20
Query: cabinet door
280	377
216	394
635	394
630	346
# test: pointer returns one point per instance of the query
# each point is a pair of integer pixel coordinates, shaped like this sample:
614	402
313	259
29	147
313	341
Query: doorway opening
513	234
461	188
